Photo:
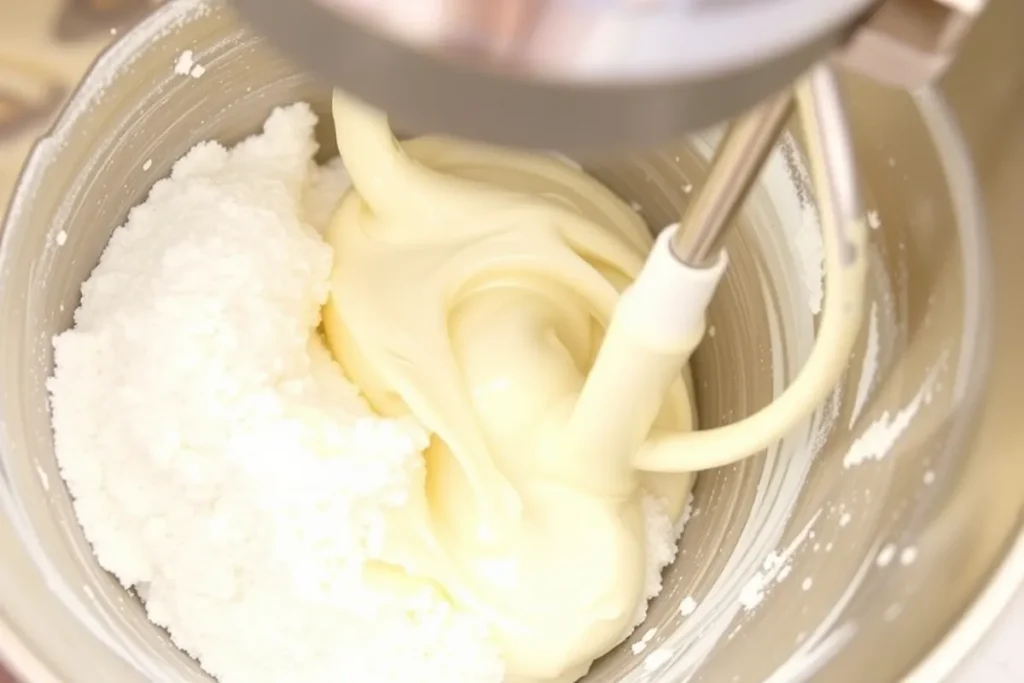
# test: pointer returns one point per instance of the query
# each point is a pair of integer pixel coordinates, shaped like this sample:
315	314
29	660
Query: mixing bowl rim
1006	577
979	613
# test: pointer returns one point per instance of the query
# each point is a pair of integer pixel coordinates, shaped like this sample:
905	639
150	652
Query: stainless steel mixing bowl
786	554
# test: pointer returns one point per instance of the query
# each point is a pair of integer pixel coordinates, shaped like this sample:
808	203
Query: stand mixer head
581	76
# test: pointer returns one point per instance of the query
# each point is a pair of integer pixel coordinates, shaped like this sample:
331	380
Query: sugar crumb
885	555
183	66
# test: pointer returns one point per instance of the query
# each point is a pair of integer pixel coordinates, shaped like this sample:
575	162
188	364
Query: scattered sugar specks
878	439
712	331
62	238
636	206
688	606
892	611
885	555
845	519
687	188
183	67
929	477
641	644
874	222
186	65
908	556
784	572
753	591
807	583
147	165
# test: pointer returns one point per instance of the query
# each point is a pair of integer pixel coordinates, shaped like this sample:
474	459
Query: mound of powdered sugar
221	462
218	457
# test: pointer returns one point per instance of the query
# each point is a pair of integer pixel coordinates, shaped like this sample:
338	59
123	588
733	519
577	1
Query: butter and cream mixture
321	431
470	289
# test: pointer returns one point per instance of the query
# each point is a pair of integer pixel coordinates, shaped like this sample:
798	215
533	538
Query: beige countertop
45	46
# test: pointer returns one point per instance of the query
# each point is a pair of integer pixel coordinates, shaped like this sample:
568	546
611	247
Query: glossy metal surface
558	74
581	76
738	160
63	619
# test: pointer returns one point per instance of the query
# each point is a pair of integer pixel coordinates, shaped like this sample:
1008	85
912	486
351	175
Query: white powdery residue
753	591
657	659
148	164
929	477
874	222
885	555
641	645
845	519
908	556
829	413
660	537
688	513
784	572
183	65
688	606
870	366
197	71
219	460
800	222
62	238
809	251
807	583
879	438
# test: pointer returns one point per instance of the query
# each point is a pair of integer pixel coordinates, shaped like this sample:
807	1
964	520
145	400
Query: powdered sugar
874	222
660	536
773	568
219	459
186	65
881	436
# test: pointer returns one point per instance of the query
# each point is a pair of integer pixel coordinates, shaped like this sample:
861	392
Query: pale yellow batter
472	287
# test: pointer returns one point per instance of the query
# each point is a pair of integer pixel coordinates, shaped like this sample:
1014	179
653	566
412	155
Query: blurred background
46	45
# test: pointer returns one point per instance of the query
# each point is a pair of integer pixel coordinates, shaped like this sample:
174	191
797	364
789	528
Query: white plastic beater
659	320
